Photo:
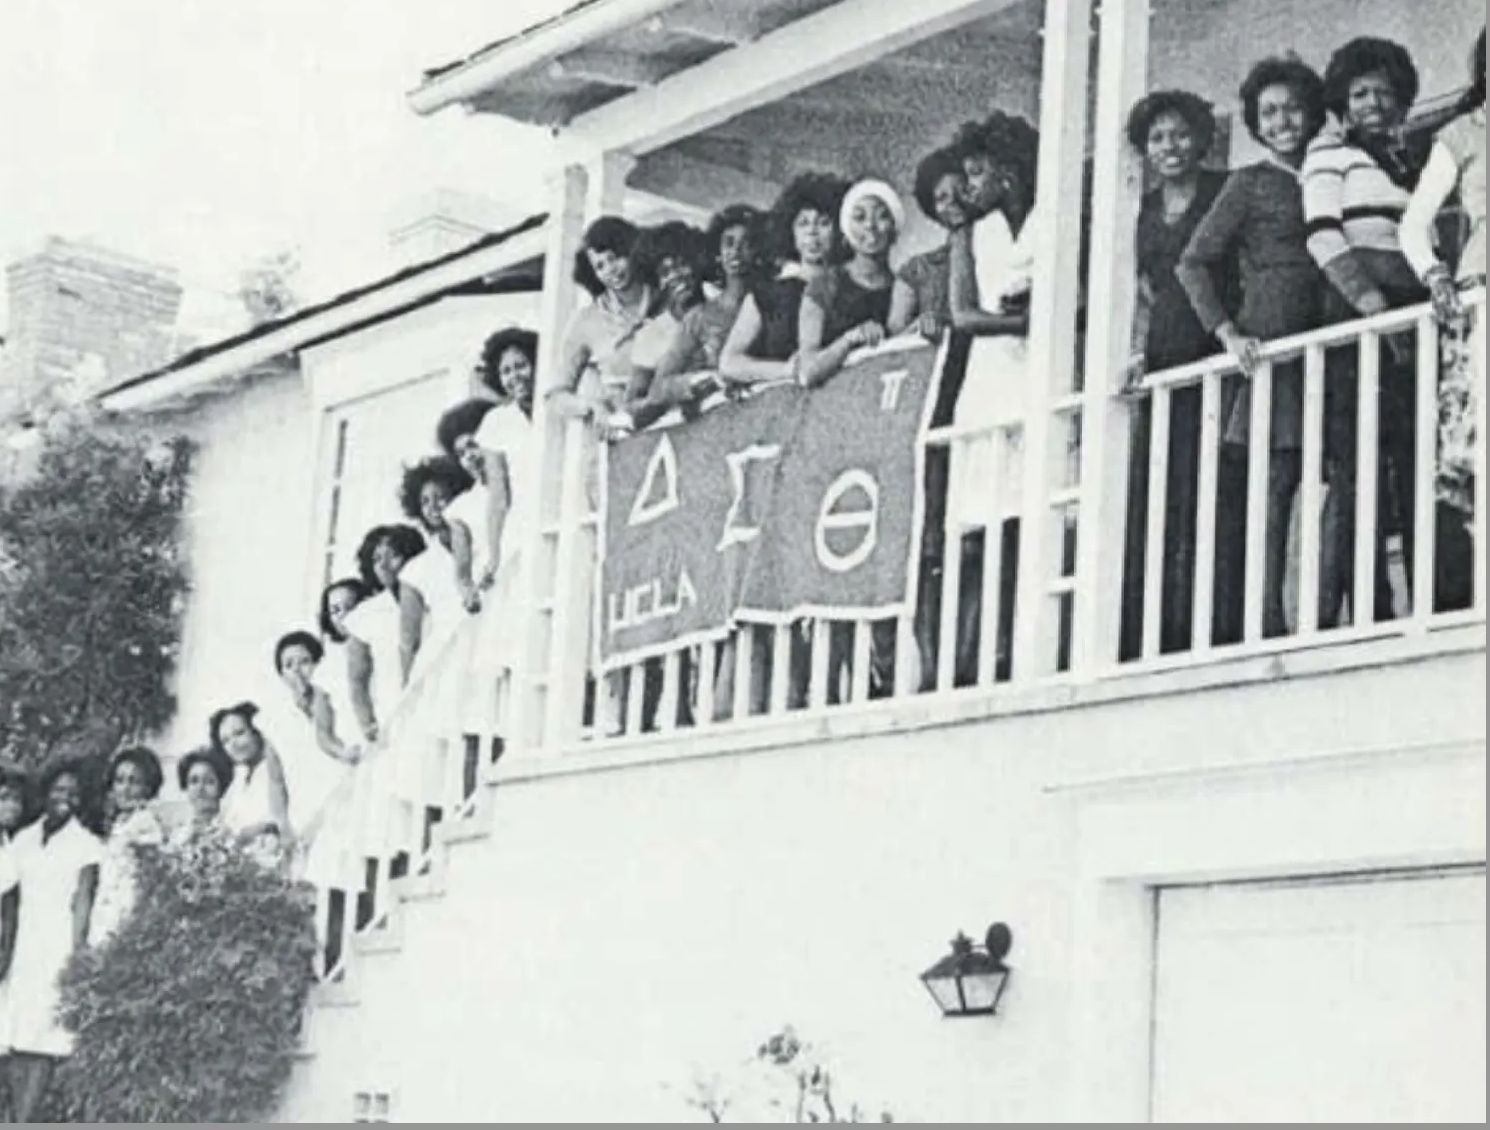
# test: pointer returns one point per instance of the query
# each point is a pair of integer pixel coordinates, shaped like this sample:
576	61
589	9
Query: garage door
1322	1000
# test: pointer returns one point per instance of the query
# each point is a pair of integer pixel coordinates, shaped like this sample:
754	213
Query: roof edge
276	325
569	30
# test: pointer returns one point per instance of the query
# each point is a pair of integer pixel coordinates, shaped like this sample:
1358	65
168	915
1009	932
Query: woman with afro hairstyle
991	275
921	298
1456	163
1358	179
1172	131
508	367
734	264
596	367
1257	223
378	656
800	237
489	525
431	590
672	253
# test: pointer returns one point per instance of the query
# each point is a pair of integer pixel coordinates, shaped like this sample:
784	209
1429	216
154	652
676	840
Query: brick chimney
83	317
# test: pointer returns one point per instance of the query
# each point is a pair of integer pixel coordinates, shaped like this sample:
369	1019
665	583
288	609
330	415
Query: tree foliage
92	587
191	1012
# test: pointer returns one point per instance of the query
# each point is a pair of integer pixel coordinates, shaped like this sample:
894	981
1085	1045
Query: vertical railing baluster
991	607
1153	557
672	680
1477	405
863	636
1310	491
907	651
1259	464
1203	606
818	683
636	687
946	631
781	668
1425	471
1368	401
704	670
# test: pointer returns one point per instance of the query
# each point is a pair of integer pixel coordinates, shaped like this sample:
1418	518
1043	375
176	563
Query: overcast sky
203	133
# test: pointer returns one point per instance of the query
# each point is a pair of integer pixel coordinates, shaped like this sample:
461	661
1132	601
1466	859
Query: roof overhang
577	27
639	75
488	261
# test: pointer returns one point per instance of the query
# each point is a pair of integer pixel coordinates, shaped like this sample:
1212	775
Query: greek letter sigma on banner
787	504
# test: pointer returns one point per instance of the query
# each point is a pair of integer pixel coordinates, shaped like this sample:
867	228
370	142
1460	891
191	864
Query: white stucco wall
247	523
623	932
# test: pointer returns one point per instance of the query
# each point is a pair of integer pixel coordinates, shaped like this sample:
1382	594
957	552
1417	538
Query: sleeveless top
847	304
779	302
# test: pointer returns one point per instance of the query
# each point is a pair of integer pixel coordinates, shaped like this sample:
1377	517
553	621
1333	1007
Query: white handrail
1281	348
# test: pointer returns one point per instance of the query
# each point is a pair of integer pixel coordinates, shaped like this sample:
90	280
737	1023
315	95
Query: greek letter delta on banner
788	504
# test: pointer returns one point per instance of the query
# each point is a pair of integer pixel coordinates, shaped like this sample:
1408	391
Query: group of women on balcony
796	290
1334	222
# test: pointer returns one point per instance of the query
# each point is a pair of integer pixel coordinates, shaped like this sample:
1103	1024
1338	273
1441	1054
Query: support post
1053	310
542	679
1106	432
588	190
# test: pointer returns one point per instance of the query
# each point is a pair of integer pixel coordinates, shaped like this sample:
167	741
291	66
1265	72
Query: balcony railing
428	766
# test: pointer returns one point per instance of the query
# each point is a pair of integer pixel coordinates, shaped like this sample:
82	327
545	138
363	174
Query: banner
787	504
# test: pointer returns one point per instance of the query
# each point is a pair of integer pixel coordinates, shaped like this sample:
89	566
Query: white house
1244	882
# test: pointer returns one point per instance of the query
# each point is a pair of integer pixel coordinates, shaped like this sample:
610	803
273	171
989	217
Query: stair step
341	993
423	887
388	939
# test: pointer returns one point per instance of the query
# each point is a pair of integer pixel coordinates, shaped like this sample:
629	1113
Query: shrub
787	1080
191	1012
92	588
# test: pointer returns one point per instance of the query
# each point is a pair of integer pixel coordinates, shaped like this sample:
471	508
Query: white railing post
1425	473
1106	433
1053	309
1363	586
1311	496
566	462
534	682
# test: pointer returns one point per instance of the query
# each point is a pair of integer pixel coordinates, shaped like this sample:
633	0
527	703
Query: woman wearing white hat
847	306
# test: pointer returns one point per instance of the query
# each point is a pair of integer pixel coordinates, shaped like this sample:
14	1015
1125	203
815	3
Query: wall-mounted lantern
970	980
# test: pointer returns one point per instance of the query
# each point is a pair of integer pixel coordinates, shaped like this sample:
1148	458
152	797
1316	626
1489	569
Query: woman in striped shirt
1357	177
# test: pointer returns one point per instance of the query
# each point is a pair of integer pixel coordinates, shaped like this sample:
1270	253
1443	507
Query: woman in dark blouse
1258	222
1172	130
801	233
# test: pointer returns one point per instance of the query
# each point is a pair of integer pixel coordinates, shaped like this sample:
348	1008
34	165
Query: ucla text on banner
789	503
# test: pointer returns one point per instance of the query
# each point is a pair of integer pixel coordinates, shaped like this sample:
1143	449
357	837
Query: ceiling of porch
878	119
556	88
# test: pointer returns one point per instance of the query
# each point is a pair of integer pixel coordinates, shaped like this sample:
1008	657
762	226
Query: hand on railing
1447	307
866	335
1245	349
1134	371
